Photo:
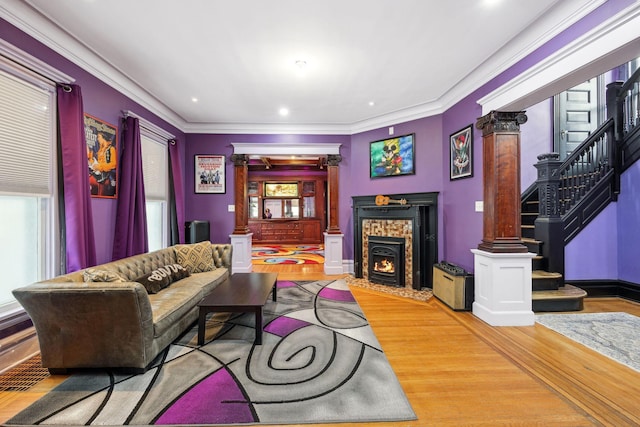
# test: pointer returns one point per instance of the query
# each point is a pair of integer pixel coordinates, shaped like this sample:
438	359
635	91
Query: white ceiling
411	58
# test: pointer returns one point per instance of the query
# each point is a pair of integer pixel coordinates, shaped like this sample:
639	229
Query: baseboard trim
609	288
14	324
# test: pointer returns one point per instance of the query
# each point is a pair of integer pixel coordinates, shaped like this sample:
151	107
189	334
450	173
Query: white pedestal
241	255
333	253
503	288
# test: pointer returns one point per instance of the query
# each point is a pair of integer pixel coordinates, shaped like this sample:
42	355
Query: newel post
548	225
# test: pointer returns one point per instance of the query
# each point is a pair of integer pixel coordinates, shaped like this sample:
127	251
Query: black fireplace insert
386	260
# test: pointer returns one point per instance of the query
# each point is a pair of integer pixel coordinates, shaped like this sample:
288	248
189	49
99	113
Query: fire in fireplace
386	260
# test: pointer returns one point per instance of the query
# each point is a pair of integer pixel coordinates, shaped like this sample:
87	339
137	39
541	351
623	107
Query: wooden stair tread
541	274
564	292
530	240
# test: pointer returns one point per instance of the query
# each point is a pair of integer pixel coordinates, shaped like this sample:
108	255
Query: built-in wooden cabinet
286	209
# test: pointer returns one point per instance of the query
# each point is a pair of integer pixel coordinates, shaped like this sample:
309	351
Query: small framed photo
461	153
210	174
392	156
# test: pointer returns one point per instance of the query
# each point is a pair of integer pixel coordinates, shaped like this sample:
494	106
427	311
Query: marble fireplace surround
416	221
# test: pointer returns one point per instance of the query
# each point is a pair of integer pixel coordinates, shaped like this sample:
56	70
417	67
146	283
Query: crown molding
28	19
32	22
584	58
285	149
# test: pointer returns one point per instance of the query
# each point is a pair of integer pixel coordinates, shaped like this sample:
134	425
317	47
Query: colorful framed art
392	156
461	153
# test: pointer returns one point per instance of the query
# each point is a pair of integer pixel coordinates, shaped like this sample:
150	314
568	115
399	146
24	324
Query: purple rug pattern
319	363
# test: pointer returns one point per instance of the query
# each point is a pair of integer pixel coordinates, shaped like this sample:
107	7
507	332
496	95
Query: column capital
334	159
240	159
501	121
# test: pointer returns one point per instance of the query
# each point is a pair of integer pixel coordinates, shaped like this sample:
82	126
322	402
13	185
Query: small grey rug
615	335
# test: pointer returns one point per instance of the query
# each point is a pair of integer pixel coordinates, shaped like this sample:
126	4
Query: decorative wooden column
333	237
333	176
240	162
501	171
241	238
502	264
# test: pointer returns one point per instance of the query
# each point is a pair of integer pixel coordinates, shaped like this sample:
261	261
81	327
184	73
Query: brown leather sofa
118	324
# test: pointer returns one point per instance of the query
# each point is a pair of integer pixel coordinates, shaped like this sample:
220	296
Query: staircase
569	194
549	292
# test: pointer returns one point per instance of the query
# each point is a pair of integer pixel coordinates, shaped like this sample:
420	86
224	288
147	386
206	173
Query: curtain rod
147	125
33	64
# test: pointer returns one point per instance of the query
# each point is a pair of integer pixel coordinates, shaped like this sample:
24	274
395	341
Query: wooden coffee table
240	293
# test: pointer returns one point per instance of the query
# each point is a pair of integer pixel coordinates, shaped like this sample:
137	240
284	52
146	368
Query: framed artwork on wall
392	156
210	174
102	156
461	153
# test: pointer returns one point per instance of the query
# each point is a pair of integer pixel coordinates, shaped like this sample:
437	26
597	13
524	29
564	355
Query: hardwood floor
458	371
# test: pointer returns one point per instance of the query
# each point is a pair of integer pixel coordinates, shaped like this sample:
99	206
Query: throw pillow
162	277
97	275
197	257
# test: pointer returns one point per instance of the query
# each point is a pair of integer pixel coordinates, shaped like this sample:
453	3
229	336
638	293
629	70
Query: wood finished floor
458	371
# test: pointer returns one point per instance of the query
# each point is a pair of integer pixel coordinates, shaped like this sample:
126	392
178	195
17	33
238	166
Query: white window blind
155	168
25	137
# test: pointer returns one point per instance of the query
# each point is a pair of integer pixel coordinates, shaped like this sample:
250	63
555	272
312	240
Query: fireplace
386	260
415	222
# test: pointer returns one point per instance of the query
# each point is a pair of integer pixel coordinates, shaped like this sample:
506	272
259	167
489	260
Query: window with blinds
155	170
27	181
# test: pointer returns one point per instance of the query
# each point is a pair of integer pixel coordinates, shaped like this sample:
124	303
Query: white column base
241	255
333	253
502	284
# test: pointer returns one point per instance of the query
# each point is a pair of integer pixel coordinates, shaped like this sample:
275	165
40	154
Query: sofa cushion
172	304
98	275
162	277
196	258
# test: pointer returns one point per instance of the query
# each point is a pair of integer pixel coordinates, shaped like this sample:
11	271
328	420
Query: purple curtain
76	217
177	194
130	237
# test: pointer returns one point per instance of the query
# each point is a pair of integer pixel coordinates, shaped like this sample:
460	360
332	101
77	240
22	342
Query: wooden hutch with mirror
287	208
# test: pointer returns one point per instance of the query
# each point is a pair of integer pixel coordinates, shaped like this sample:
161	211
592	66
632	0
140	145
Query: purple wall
428	173
628	226
100	101
593	253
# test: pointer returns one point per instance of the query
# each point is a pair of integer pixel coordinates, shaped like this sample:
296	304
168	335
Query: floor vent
24	376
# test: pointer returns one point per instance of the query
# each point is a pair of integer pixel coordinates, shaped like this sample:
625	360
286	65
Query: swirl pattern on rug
319	363
287	254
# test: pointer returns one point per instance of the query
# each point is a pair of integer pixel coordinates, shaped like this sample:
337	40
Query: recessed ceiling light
491	3
284	111
371	103
194	99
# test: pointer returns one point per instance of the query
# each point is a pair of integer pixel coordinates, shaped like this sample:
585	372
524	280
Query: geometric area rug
319	362
615	335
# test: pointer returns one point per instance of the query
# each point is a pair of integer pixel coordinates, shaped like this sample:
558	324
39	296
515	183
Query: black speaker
196	231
